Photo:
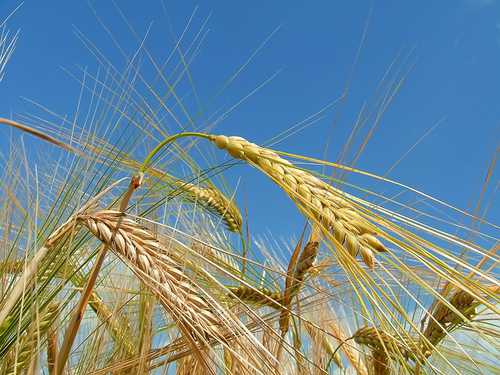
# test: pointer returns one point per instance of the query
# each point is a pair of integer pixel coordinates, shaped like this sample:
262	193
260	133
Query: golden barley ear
148	260
305	262
318	200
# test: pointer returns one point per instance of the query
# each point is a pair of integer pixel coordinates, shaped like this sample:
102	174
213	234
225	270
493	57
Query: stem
341	344
52	350
243	256
165	142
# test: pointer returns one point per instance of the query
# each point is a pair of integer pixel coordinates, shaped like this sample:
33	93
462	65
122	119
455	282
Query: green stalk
165	142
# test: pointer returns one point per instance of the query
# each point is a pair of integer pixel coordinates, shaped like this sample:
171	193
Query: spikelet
28	342
316	198
371	336
376	340
261	296
144	255
462	301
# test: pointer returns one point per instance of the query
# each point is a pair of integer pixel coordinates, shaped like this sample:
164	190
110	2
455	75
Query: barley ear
214	200
256	296
316	199
444	319
148	260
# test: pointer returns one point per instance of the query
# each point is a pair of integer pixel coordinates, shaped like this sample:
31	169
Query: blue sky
449	52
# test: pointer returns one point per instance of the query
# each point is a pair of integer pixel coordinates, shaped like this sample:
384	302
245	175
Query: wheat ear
28	342
380	343
316	199
78	312
299	265
304	264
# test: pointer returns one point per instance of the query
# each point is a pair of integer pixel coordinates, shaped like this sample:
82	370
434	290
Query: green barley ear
214	200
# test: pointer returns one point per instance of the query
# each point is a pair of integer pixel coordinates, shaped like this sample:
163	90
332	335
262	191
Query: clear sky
449	52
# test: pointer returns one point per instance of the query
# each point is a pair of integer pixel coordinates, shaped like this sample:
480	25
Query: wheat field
126	246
